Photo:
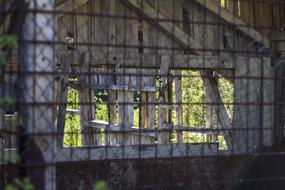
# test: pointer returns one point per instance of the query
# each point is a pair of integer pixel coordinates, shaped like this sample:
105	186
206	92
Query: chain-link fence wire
127	94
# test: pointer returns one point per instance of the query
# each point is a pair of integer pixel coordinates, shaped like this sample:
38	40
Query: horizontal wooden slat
136	60
126	88
136	151
192	129
130	130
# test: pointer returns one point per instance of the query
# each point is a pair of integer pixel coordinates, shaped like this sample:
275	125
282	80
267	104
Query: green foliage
226	89
23	184
100	99
193	94
72	122
101	185
136	117
7	42
10	158
6	101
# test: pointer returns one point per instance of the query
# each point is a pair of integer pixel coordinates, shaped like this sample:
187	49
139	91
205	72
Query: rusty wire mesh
142	94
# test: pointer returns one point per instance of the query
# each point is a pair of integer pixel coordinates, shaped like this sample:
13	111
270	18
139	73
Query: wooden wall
128	33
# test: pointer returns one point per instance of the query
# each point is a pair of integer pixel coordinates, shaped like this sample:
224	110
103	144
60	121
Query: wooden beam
63	93
69	6
152	61
225	15
163	99
178	99
215	97
125	87
169	28
86	104
130	152
192	129
120	128
136	152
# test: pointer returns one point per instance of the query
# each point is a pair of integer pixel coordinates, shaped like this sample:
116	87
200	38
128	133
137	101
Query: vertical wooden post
163	110
178	97
143	110
125	103
112	94
86	104
62	99
36	117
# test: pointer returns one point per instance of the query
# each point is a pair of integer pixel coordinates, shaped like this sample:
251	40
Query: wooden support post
178	97
211	111
112	109
125	103
163	112
86	104
215	97
246	116
125	113
254	109
151	109
62	99
143	111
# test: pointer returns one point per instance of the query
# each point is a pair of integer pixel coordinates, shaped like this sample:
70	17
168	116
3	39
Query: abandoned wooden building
141	48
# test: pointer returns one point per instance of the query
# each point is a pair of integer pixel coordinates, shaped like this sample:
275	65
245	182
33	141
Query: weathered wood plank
112	94
163	112
120	134
151	109
246	117
211	113
143	118
86	103
120	128
125	87
268	86
135	152
63	92
185	128
215	97
234	21
69	6
178	98
168	28
136	60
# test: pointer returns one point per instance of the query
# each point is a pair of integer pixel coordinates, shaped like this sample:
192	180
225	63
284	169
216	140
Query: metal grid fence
142	94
